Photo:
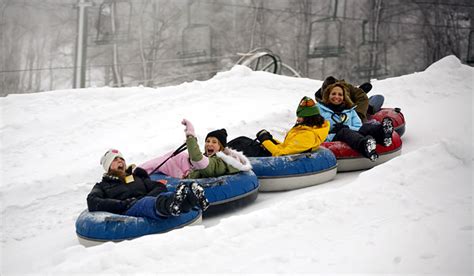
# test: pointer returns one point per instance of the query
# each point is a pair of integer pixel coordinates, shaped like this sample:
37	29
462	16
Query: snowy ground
412	214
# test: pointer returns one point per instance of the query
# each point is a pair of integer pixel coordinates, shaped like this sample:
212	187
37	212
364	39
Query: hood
235	158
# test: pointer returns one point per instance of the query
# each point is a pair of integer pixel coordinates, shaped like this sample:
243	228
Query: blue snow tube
280	173
224	192
97	227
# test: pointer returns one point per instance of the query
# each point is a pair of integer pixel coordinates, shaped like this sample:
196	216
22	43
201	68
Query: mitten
129	202
130	168
264	135
189	128
140	173
337	127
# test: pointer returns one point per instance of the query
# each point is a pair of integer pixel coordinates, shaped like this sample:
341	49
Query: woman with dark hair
216	160
315	120
310	130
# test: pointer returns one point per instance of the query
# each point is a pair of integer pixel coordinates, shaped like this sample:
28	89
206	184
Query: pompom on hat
220	134
109	157
307	107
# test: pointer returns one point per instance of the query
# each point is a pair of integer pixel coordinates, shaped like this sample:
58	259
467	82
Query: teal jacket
349	118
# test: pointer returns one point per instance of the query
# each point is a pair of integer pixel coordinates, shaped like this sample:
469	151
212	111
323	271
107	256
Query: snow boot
375	103
366	87
387	126
179	197
369	146
197	193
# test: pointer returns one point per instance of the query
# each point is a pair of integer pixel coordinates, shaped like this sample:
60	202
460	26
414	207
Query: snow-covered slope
412	214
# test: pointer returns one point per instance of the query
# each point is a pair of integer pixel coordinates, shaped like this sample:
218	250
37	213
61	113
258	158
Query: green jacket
224	162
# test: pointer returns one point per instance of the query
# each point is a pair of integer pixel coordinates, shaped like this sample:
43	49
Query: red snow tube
395	114
349	159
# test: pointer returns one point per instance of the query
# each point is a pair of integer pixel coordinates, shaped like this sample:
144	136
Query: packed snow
412	214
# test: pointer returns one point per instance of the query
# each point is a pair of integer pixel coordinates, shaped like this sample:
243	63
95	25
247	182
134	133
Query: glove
189	128
337	127
130	168
140	173
264	135
129	202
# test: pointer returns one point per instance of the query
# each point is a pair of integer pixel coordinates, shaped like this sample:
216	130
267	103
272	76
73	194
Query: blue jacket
352	119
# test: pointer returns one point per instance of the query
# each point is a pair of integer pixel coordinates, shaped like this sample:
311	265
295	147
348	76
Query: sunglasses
307	102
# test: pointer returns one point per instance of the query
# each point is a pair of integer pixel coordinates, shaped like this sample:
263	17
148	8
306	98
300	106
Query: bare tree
444	27
301	29
152	37
11	33
377	8
37	39
257	35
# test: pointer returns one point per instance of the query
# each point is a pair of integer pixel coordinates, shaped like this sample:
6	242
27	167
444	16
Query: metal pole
79	78
334	15
116	72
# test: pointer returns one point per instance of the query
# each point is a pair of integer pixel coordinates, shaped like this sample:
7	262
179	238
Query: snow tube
349	159
395	114
288	172
94	228
224	192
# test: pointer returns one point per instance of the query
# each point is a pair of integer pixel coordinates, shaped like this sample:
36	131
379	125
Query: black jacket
114	195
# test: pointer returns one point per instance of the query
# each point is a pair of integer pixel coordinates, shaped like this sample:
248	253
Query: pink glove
189	128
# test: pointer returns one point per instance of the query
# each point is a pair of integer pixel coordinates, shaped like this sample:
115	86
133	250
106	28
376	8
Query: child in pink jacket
217	159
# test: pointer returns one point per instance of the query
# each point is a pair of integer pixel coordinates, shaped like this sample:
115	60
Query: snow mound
450	62
236	71
412	214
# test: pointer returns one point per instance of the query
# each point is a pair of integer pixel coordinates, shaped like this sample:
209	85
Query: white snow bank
412	214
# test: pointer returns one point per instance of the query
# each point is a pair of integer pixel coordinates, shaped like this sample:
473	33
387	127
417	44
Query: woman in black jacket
130	191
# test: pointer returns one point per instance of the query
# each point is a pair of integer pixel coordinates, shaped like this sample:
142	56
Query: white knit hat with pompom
109	157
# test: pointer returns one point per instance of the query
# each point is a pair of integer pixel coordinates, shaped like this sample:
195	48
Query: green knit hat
307	108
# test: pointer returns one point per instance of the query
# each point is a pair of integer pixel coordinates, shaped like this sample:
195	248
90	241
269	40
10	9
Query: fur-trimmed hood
235	158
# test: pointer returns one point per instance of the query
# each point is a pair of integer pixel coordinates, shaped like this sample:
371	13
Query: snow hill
412	214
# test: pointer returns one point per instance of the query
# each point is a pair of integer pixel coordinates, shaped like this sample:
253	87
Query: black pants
357	139
249	147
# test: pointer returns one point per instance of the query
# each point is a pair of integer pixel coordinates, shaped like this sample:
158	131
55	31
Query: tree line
166	42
